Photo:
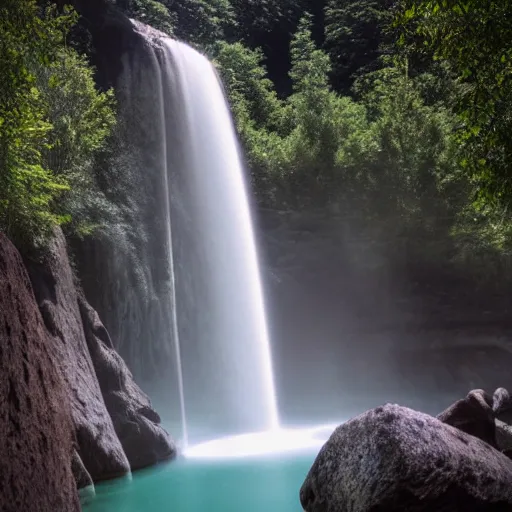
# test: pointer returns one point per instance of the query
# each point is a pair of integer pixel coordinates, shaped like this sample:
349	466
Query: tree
356	37
314	139
27	188
81	120
417	148
269	25
264	15
248	86
53	122
202	22
474	37
292	146
151	12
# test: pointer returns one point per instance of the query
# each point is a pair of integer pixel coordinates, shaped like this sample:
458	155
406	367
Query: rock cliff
116	428
37	434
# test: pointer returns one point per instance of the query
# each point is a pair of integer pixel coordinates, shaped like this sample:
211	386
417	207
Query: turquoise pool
252	484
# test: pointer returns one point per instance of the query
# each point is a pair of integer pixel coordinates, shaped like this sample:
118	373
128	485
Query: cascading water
221	324
201	290
182	292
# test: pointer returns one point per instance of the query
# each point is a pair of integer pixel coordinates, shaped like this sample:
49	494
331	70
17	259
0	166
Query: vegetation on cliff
394	114
53	122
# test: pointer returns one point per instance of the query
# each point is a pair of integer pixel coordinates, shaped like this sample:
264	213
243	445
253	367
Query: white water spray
202	292
225	350
272	443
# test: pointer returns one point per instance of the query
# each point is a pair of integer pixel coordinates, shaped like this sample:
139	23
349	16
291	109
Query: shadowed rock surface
396	459
473	415
82	477
98	445
36	441
136	423
484	416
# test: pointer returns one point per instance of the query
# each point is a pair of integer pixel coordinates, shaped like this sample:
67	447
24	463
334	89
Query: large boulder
484	416
99	448
473	415
396	459
136	423
36	430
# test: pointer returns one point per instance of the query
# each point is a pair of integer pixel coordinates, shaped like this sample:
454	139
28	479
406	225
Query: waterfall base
272	442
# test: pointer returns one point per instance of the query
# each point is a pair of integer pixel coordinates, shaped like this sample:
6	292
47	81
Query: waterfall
192	315
221	324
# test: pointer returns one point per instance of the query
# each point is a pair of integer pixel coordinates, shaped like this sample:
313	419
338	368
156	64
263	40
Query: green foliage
264	15
389	159
250	92
80	116
417	147
151	12
260	116
293	146
315	113
356	37
310	66
27	188
474	37
403	126
82	119
52	121
202	22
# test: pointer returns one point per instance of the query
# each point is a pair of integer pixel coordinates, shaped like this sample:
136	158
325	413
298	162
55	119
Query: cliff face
116	428
70	411
36	443
124	268
135	422
98	446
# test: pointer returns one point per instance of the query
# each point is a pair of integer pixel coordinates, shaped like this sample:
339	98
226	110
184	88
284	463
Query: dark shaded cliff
36	427
116	428
98	446
70	411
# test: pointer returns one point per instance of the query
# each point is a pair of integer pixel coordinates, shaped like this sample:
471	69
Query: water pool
263	475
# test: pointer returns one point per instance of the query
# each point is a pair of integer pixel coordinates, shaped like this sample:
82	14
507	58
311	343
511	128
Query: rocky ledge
395	459
36	428
70	411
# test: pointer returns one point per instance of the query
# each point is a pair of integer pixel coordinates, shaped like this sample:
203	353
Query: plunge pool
251	473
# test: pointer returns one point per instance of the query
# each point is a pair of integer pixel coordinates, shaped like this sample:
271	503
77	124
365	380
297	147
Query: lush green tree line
53	123
396	114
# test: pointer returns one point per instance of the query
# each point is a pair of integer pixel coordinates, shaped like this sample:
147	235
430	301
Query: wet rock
474	415
488	418
396	459
502	404
82	477
136	423
36	429
98	445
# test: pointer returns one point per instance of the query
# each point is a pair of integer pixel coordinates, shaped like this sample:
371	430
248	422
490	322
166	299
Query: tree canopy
52	119
474	38
393	113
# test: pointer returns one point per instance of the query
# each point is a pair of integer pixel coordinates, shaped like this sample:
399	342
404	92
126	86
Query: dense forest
394	114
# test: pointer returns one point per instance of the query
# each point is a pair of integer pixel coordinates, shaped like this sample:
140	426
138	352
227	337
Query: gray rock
36	428
502	405
480	415
396	459
136	423
473	415
82	477
504	437
502	408
98	445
